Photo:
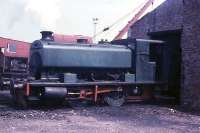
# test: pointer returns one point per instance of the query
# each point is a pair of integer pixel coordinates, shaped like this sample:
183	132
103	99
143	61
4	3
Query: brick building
178	23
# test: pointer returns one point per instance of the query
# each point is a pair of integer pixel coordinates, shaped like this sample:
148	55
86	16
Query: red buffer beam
133	20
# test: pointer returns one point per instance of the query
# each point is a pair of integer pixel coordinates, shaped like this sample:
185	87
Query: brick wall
179	15
168	16
191	53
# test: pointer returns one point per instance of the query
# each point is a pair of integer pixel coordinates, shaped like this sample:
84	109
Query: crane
142	9
133	20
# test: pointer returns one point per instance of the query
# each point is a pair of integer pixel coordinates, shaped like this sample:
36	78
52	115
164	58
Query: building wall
191	53
166	17
179	15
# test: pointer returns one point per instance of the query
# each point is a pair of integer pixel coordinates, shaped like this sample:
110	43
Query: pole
95	22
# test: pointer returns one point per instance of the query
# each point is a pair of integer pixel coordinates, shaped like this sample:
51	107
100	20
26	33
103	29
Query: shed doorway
168	58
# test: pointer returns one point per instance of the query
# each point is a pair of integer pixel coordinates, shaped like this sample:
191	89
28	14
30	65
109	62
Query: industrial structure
177	23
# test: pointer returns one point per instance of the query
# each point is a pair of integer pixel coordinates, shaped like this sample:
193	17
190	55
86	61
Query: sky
24	19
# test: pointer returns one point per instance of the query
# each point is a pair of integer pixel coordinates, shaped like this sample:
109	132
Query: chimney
47	35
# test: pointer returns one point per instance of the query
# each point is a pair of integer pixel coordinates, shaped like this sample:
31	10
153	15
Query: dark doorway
168	58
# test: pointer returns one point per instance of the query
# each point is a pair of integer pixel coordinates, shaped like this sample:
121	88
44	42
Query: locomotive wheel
18	99
115	99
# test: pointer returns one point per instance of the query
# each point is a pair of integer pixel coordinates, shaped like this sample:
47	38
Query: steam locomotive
110	71
89	62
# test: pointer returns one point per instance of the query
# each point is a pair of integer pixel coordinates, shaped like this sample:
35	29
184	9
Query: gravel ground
130	118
